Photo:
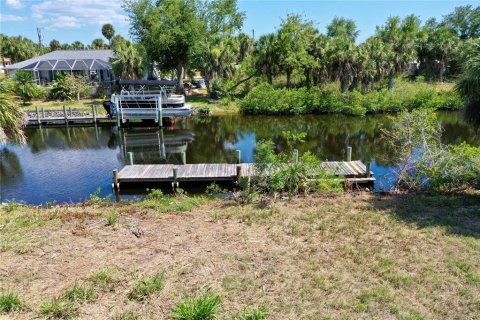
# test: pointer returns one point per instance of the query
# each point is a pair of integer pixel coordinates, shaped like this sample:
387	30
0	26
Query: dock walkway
353	171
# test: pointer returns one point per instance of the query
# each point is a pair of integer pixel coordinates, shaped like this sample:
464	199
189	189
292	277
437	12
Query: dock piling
184	157
239	156
94	114
239	173
130	158
367	170
349	154
175	178
65	114
38	117
43	113
70	111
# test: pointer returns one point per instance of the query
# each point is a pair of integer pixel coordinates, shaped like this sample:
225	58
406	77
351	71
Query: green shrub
265	99
147	286
200	307
10	302
112	219
214	188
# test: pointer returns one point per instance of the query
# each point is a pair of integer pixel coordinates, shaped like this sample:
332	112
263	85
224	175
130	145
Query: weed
80	293
154	194
103	277
10	302
147	286
57	308
200	307
257	313
214	188
95	198
112	219
11	205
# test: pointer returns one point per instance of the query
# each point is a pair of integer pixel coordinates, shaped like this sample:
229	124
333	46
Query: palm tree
399	37
341	58
77	45
12	118
129	63
245	44
97	44
266	54
108	32
55	45
469	84
25	85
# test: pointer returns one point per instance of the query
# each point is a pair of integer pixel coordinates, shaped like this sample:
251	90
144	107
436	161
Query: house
4	62
94	64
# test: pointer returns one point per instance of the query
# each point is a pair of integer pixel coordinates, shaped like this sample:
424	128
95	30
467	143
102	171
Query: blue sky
70	20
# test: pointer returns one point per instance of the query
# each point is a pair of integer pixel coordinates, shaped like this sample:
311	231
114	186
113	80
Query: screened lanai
93	64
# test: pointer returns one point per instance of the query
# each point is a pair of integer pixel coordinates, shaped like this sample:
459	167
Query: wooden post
239	173
175	178
295	155
367	170
70	111
239	156
38	117
43	113
65	114
116	186
94	114
184	157
117	111
130	158
349	153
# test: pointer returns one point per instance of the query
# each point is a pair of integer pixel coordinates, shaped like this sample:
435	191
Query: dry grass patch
315	257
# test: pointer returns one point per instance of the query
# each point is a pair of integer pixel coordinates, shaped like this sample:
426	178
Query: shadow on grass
459	214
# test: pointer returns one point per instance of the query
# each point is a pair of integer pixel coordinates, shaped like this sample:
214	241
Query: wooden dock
352	171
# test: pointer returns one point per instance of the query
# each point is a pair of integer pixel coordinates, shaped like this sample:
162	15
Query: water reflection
69	163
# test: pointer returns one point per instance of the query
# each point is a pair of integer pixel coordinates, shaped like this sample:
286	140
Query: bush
288	172
265	99
68	87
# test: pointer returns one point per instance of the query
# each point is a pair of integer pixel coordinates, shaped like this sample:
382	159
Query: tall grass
200	307
147	286
9	302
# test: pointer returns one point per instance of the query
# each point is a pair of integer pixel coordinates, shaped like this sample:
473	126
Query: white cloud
14	4
10	18
59	14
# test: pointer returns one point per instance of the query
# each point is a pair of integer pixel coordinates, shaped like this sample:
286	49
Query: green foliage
200	307
264	99
12	118
147	286
68	87
9	302
154	194
130	60
257	313
112	218
287	172
17	48
425	162
57	308
80	293
214	188
26	87
96	199
103	277
108	31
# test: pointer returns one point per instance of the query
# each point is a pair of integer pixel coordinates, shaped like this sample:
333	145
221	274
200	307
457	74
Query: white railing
137	106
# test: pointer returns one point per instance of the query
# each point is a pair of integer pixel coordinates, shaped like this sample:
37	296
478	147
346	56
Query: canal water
69	164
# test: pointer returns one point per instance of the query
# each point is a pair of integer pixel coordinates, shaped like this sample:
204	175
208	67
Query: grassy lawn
82	105
343	256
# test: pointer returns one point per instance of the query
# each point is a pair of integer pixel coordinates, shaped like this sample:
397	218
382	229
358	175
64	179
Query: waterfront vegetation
353	255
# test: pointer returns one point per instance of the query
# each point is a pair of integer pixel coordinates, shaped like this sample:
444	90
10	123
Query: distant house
4	62
94	64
